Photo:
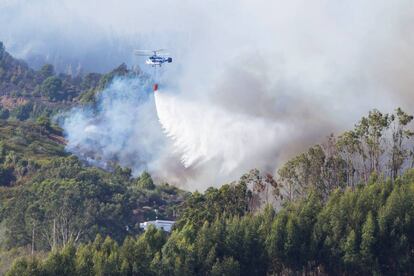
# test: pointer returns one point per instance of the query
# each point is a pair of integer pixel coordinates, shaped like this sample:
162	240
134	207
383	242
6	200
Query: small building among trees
165	225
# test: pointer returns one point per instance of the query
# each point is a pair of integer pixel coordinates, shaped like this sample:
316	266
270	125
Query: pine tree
368	240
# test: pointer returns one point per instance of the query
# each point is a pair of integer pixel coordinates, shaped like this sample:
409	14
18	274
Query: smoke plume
123	127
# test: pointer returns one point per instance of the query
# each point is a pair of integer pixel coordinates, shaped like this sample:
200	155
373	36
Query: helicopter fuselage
156	60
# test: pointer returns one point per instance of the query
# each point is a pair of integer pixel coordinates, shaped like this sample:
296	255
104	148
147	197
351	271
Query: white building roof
165	225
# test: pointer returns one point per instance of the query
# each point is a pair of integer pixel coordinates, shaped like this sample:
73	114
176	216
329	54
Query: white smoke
187	142
122	127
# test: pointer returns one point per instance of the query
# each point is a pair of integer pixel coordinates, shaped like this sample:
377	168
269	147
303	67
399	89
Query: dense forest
365	230
345	206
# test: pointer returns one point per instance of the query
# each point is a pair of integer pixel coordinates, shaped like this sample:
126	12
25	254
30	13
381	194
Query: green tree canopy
52	88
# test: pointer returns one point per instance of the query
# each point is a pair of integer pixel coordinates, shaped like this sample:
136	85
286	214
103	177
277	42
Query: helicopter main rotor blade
143	52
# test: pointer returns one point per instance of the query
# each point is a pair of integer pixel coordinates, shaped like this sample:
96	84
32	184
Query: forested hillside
380	144
361	231
28	94
49	198
332	221
345	206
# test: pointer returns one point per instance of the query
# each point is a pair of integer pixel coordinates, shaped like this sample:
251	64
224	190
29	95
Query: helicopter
154	58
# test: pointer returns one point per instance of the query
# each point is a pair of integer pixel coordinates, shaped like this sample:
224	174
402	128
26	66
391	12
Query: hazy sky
327	46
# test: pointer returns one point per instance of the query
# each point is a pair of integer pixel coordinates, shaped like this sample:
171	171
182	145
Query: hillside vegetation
44	187
343	207
333	220
368	230
25	147
28	94
49	198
